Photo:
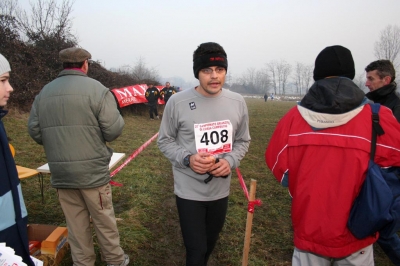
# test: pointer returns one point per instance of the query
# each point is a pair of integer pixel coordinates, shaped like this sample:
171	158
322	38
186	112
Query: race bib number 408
214	137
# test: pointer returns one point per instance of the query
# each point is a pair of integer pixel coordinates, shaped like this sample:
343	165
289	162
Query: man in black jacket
167	92
382	89
381	85
152	95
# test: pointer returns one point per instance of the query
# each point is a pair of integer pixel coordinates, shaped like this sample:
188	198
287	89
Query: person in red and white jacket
320	149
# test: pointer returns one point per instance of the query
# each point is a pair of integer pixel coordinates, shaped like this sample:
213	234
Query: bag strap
377	129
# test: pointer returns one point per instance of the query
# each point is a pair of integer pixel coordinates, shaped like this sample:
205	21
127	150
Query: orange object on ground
12	150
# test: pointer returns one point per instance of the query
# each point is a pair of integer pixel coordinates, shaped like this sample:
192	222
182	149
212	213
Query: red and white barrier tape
130	158
251	204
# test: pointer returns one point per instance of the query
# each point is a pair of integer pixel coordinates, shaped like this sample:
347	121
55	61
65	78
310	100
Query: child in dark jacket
14	217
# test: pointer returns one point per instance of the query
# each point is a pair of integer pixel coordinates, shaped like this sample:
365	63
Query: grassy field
145	205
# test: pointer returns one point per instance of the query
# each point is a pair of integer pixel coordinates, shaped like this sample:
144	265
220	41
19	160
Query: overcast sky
166	32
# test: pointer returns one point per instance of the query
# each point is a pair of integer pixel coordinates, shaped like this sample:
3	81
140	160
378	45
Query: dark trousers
201	222
153	109
391	246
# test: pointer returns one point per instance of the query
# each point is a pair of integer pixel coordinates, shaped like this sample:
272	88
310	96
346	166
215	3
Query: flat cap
74	55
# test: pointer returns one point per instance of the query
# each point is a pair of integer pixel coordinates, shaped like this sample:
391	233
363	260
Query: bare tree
263	80
255	81
280	72
140	71
284	70
272	68
47	19
298	75
307	77
248	80
388	46
7	14
302	77
8	7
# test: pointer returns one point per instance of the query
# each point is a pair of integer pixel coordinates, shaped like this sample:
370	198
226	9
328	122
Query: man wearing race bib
204	133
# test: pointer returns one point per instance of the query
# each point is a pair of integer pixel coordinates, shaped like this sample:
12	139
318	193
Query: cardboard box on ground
48	243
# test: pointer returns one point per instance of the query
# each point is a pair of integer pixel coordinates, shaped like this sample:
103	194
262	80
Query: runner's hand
220	169
201	162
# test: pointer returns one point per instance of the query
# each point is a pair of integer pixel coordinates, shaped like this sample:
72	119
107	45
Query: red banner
133	94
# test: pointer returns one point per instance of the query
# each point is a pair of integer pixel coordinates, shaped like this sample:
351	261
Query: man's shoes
158	117
151	118
124	263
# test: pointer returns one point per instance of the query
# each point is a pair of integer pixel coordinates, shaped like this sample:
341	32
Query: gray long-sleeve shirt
177	139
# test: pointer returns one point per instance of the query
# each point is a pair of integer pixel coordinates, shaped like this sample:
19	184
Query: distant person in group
152	94
380	82
14	216
187	138
265	97
167	92
381	85
73	117
272	96
321	149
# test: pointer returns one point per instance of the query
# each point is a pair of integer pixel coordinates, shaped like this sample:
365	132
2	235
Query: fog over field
165	33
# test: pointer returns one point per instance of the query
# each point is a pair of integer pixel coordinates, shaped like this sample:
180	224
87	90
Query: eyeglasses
89	61
208	71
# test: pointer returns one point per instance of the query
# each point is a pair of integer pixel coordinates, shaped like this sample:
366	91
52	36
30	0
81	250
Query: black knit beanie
208	60
334	61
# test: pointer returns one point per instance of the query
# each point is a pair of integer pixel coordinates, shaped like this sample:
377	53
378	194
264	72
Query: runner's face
5	88
211	80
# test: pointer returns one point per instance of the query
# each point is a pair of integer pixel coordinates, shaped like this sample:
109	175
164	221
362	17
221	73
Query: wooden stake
249	224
